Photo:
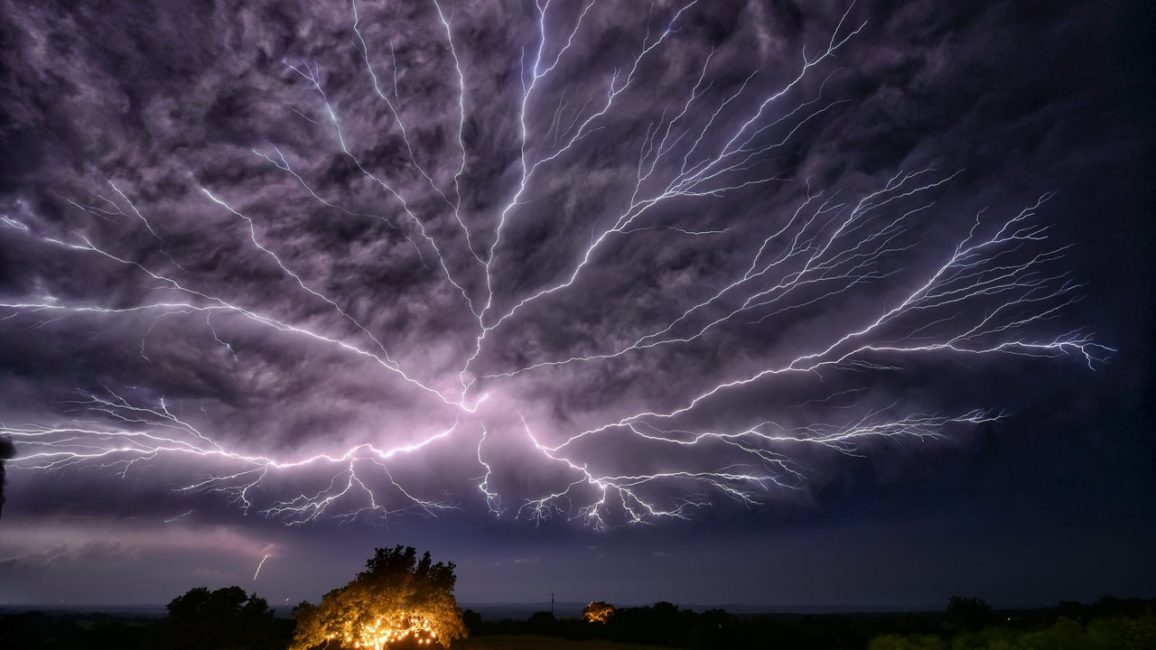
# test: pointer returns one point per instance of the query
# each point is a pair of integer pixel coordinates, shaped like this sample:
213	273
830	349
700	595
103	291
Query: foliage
913	642
225	618
396	598
969	613
533	642
1116	633
542	622
664	624
473	620
1109	623
598	612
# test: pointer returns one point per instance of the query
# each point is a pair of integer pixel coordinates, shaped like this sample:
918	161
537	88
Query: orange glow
598	612
387	630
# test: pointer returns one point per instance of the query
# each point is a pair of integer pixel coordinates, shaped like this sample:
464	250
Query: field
528	642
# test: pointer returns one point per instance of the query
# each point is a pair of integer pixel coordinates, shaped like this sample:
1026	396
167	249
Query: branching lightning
993	291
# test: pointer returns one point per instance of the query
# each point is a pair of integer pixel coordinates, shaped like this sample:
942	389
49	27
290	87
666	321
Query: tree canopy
223	618
396	599
969	613
598	612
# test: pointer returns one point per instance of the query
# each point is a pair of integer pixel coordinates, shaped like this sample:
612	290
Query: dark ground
970	624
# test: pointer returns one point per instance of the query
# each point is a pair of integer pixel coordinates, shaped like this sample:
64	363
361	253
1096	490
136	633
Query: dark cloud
7	451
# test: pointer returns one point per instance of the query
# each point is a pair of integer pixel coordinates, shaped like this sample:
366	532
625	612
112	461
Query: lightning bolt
259	565
992	292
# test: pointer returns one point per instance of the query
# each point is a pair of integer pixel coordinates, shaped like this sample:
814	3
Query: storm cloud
610	263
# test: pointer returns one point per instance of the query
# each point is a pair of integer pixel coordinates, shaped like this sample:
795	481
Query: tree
969	613
473	621
542	623
398	600
224	618
598	612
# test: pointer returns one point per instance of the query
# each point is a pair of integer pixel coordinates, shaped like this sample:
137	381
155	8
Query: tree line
965	624
403	601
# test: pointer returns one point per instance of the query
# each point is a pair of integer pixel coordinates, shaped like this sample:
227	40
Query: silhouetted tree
397	600
7	451
225	618
473	621
542	623
969	613
1061	633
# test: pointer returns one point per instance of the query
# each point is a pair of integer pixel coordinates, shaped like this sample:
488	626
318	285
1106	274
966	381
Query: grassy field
527	642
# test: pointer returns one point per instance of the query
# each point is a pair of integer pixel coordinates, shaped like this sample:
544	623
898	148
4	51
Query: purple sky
822	304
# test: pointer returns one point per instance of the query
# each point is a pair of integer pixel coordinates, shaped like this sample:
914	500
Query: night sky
808	304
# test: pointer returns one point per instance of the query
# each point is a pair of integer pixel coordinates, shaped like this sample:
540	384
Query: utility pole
551	604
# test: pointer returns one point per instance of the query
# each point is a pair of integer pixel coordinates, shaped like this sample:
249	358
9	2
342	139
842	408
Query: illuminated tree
598	612
397	600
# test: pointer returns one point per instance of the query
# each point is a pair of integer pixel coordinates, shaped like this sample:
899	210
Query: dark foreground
967	624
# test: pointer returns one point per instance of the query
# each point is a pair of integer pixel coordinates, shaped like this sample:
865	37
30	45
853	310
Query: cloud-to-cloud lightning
616	274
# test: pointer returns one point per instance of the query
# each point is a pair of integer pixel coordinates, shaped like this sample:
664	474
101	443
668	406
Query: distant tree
398	600
542	623
1114	633
473	620
969	613
1072	610
7	451
598	612
225	618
